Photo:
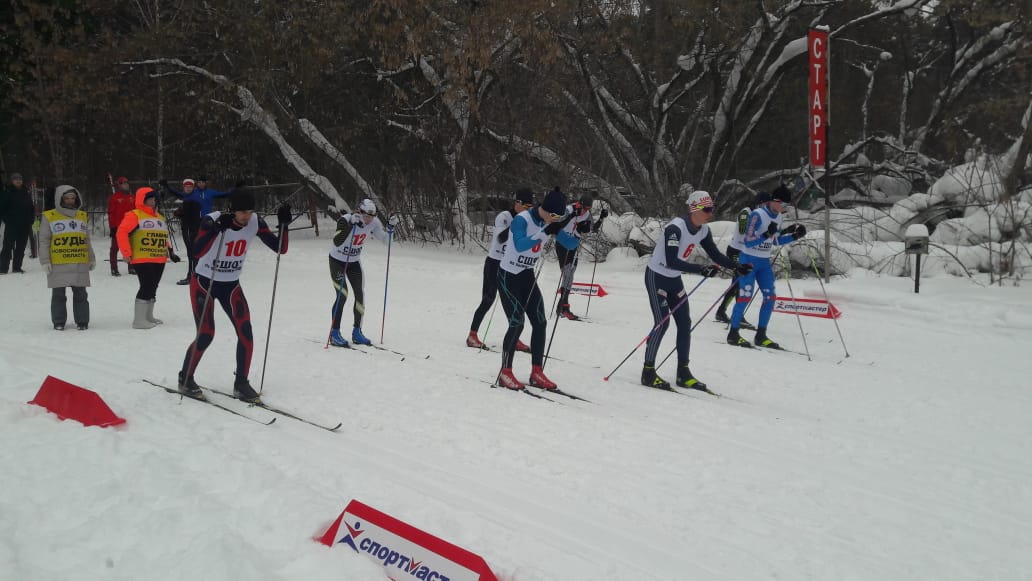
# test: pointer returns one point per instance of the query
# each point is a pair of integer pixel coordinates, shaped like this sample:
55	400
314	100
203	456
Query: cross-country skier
142	236
198	201
666	289
522	200
221	248
580	224
346	266
520	294
762	232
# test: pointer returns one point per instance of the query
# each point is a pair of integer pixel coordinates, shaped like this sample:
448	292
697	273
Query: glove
796	231
553	228
356	218
48	267
743	268
163	182
603	214
284	216
394	220
225	221
710	270
772	230
174	257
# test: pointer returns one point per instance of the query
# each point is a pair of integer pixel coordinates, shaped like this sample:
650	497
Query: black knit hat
555	202
782	194
524	196
241	200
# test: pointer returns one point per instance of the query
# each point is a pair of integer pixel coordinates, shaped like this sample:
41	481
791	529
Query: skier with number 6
667	297
221	248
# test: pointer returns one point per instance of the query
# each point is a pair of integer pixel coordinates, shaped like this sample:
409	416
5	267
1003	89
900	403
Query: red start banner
807	307
818	48
404	551
586	289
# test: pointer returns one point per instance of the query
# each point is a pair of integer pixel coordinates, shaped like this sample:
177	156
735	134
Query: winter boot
473	341
183	282
132	270
763	341
521	346
140	320
733	338
58	327
337	340
150	313
358	338
82	326
564	311
687	380
189	387
243	391
650	379
114	272
508	380
538	379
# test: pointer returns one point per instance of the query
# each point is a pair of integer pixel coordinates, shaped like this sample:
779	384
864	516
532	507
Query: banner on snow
586	289
404	551
807	307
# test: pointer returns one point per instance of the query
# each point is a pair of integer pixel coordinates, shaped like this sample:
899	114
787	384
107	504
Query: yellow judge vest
68	242
149	240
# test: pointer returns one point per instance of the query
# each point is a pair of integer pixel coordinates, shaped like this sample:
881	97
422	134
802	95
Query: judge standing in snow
142	237
66	254
667	297
346	265
529	231
762	232
221	249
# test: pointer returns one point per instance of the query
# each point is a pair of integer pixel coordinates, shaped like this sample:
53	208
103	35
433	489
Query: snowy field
909	460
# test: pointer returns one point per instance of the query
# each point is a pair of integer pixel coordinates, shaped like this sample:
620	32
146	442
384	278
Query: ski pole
753	297
272	305
823	290
591	289
799	318
387	274
204	308
702	318
658	325
340	285
490	318
539	267
562	275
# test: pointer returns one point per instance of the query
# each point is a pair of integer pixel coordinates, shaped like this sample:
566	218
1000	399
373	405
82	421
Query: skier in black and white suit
578	225
666	289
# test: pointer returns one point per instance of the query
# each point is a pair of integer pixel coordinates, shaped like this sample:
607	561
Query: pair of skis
259	404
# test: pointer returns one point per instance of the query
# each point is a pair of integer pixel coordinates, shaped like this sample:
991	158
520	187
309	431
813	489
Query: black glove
173	256
163	183
710	270
554	228
743	268
603	214
284	216
225	221
796	231
772	230
240	184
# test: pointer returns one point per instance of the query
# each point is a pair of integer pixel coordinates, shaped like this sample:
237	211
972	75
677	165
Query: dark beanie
241	200
782	194
524	196
555	202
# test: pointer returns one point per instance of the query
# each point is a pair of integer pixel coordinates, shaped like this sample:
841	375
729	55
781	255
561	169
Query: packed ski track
909	459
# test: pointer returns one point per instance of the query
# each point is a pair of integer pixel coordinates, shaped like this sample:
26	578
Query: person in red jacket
120	202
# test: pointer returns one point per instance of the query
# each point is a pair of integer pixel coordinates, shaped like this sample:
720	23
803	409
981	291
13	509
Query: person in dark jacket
18	213
197	203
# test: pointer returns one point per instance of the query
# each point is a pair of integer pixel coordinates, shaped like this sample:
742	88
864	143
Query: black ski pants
488	292
521	295
665	293
341	273
149	275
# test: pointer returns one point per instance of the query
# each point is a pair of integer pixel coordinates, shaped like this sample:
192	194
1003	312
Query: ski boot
763	341
521	346
721	317
564	311
189	387
538	379
686	380
650	379
183	282
243	391
358	338
473	341
733	338
338	340
508	380
746	325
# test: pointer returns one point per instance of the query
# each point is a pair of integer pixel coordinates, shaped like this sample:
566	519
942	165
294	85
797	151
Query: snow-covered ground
911	459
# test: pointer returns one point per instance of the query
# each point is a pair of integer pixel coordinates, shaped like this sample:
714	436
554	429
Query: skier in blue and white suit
762	233
667	297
